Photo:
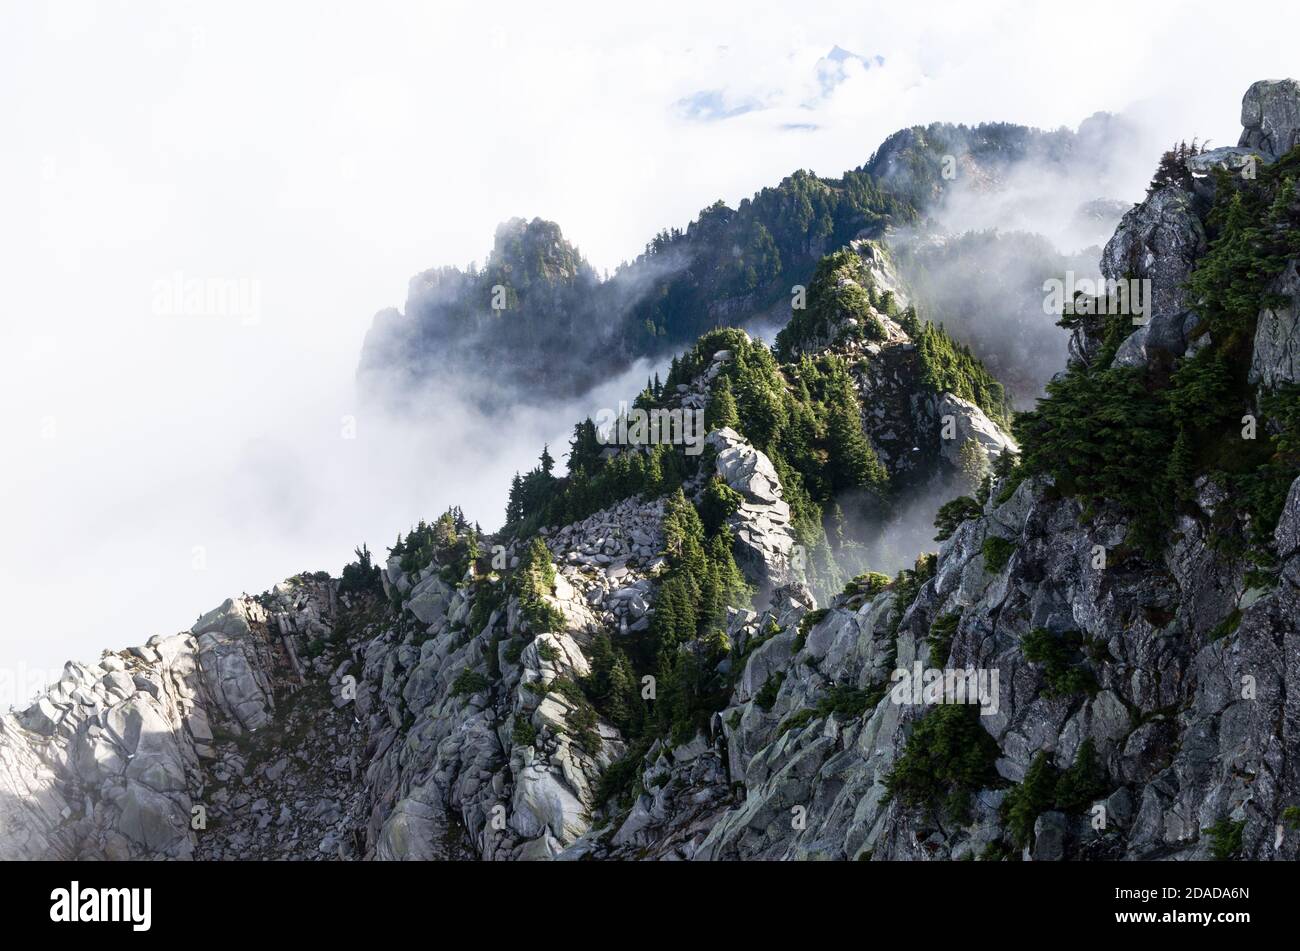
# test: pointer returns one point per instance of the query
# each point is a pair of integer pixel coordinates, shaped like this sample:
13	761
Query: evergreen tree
534	581
1026	802
654	471
361	576
515	505
1083	782
951	514
732	589
851	462
718	502
683	535
721	411
584	448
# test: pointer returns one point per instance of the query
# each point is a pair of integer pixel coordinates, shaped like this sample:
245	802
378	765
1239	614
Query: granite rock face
1276	358
764	539
962	421
1270	116
1158	241
158	751
1183	722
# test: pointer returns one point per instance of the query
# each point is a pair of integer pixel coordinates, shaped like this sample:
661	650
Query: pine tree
721	411
712	609
584	448
851	462
1083	782
683	534
665	691
444	530
732	588
664	622
626	709
1027	801
674	372
654	471
515	505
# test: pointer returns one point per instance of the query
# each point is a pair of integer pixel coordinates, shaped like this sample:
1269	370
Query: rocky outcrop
1158	240
918	434
484	745
158	749
765	541
1276	358
1161	239
1270	116
961	421
1239	161
882	271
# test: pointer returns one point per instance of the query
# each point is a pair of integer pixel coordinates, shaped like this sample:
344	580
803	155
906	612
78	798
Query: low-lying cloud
158	463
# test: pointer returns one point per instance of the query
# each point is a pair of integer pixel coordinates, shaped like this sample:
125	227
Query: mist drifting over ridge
326	183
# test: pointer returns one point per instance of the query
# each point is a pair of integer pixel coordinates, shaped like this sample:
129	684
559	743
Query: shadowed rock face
1276	358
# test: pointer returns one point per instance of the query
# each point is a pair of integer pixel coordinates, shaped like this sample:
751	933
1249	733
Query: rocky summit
706	656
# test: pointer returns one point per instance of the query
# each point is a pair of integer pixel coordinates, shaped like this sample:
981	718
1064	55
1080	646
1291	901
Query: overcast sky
160	458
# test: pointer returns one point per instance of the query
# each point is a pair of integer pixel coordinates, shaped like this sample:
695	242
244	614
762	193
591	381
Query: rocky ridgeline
305	724
1161	239
485	748
178	748
268	732
789	772
904	420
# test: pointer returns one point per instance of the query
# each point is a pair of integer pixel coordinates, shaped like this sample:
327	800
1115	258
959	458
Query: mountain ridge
1127	562
727	267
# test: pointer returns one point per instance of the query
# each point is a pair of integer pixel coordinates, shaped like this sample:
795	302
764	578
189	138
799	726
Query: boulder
235	679
764	540
42	717
1270	116
231	618
429	599
544	804
1049	837
156	823
746	469
1233	159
